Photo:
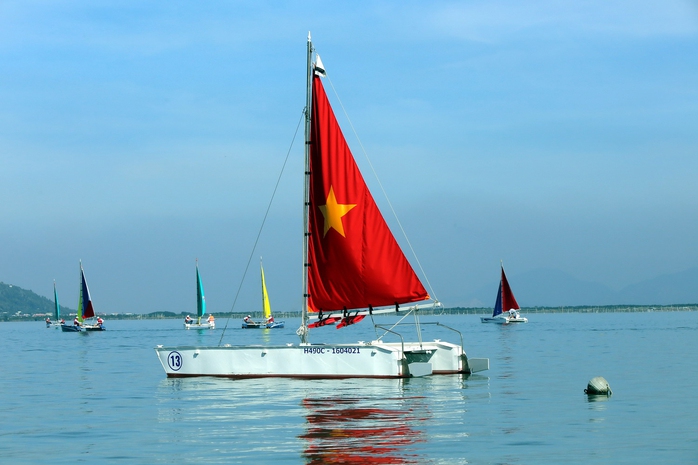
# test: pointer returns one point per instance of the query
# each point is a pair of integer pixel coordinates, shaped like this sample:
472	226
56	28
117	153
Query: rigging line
396	324
374	326
261	226
404	234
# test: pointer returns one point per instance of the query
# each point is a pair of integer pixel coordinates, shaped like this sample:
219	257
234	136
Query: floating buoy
598	386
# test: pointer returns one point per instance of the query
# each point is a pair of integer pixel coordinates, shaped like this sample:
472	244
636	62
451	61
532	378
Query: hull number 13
174	361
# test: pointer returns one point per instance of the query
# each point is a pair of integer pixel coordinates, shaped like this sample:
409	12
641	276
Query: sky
142	136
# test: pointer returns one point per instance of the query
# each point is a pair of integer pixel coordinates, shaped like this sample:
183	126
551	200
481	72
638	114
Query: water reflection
597	398
597	410
266	336
361	422
597	403
352	431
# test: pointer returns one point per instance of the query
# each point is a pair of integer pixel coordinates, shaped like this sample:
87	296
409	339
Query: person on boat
188	320
62	321
76	322
48	321
247	319
270	319
100	321
210	319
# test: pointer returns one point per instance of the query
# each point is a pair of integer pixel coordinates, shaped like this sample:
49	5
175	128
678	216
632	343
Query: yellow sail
266	307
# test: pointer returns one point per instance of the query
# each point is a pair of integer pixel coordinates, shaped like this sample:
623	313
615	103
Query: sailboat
353	268
506	309
200	307
268	319
86	319
56	323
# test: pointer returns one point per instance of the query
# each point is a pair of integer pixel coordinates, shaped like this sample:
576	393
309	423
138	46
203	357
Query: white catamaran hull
320	361
501	319
255	325
94	327
205	325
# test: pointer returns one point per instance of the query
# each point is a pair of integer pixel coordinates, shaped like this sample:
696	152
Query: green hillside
15	301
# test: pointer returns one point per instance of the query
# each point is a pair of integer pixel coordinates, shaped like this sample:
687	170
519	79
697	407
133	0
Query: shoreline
5	318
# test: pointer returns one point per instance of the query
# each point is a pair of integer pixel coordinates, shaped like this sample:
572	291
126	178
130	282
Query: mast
303	330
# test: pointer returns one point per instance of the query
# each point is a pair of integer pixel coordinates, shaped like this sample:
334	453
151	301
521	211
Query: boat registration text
333	350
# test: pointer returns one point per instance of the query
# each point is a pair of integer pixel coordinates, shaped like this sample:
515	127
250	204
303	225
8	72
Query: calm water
103	398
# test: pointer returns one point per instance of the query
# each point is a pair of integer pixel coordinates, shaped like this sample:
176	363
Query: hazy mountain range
14	299
555	288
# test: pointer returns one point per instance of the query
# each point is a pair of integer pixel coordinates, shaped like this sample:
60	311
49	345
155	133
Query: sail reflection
351	431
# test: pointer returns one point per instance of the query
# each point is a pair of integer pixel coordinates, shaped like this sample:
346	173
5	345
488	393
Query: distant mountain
668	289
14	299
555	288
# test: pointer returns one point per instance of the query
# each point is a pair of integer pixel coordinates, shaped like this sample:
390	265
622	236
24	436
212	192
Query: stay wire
261	227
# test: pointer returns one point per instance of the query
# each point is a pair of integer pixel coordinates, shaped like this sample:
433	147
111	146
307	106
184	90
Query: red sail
508	299
354	260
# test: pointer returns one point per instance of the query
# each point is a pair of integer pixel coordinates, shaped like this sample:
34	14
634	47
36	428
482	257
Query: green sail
57	309
200	299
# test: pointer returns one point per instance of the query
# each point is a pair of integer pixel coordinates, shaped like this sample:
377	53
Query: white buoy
598	386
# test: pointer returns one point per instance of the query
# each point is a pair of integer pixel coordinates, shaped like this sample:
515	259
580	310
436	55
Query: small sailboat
353	268
56	323
249	323
85	320
210	323
506	309
268	321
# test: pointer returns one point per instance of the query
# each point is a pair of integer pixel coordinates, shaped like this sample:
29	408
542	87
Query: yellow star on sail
333	213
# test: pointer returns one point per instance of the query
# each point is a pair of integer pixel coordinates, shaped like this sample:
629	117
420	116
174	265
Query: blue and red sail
85	308
505	297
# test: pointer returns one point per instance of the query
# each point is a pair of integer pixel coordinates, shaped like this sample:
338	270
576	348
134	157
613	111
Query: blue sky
140	136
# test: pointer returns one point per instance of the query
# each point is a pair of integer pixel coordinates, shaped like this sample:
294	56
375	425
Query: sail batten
355	261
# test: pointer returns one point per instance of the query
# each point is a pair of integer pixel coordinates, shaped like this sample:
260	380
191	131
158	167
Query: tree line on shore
19	316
